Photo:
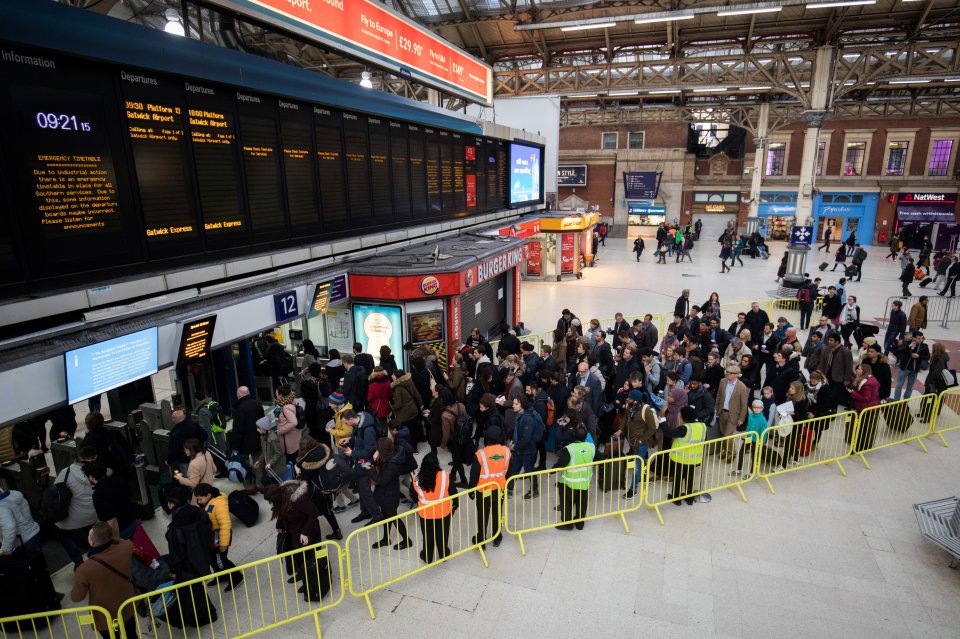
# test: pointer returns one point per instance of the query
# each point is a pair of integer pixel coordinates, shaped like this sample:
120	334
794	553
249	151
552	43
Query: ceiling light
688	16
664	91
174	27
840	3
711	90
613	93
908	81
951	79
743	12
584	27
365	80
754	88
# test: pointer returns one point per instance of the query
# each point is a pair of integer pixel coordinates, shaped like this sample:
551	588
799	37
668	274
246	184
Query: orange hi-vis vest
440	491
494	462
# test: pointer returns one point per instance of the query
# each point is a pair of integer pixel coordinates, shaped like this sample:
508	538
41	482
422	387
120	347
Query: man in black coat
188	537
682	307
756	318
183	429
364	360
627	364
354	382
508	340
244	438
896	326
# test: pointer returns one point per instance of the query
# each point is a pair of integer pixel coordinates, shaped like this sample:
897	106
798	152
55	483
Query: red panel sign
369	30
455	322
568	256
471	190
516	296
534	265
524	229
471	152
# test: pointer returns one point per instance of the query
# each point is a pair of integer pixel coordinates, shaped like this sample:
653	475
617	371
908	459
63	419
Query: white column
760	140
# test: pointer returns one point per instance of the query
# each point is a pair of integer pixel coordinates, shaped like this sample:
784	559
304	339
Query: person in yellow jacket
489	472
574	483
686	453
215	505
338	429
432	486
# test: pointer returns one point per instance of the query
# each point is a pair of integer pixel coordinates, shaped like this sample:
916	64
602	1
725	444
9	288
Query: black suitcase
850	271
925	281
191	609
243	507
897	416
313	569
27	587
824	266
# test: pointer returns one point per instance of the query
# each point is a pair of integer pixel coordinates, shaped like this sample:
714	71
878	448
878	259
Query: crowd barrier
948	413
721	465
805	443
939	309
893	423
274	591
552	503
72	623
369	569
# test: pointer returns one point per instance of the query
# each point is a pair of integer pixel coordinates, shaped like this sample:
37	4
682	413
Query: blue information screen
526	170
97	368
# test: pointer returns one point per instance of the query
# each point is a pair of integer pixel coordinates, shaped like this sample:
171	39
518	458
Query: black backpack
55	505
286	360
463	428
301	417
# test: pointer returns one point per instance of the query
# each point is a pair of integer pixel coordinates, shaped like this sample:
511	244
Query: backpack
803	295
286	362
539	428
120	450
333	476
551	410
55	505
463	428
301	417
238	469
218	422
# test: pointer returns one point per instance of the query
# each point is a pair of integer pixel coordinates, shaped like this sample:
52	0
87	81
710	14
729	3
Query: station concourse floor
827	556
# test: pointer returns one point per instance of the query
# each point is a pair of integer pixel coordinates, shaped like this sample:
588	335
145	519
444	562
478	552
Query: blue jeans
910	377
525	462
68	539
642	453
889	339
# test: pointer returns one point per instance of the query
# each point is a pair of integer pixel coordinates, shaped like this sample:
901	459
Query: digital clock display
62	121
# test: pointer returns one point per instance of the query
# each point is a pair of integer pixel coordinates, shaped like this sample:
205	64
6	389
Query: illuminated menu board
358	168
400	168
379	135
328	125
259	148
195	338
213	140
418	172
156	129
296	144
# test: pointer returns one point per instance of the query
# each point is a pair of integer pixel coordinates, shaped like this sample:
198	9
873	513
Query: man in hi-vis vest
574	483
489	472
684	461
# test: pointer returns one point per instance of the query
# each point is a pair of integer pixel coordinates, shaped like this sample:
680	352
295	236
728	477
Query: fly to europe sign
368	30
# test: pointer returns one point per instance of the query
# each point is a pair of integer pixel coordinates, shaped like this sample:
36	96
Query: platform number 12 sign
285	305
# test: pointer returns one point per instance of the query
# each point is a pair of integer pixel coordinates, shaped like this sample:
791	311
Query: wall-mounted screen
375	326
526	174
426	327
196	338
100	367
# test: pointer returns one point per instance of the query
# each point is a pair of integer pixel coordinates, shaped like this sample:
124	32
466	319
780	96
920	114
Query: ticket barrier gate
30	476
64	453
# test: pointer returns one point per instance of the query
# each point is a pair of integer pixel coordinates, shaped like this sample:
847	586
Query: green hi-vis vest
696	433
579	478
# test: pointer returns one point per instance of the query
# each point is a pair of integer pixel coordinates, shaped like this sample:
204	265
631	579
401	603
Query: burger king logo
430	285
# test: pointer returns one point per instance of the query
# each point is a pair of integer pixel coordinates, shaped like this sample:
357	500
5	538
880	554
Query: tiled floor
827	556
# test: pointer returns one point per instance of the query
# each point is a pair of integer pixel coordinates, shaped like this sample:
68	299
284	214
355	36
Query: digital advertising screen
526	174
375	325
100	367
426	327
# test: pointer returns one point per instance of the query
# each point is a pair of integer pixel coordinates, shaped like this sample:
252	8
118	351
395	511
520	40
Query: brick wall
670	135
599	189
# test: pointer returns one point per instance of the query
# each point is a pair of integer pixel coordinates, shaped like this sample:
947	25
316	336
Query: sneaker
794	463
779	469
339	509
734	473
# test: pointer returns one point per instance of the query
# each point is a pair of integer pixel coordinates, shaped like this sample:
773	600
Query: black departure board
400	169
328	125
259	147
106	165
196	337
418	172
155	114
379	135
296	145
213	140
503	174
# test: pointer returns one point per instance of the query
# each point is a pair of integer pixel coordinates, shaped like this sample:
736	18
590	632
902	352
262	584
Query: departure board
328	125
432	165
459	175
156	128
260	150
296	143
446	173
213	140
358	166
9	268
379	134
493	179
400	168
419	203
503	174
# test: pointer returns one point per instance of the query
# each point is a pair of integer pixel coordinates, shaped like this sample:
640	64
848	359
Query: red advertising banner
534	264
524	229
470	152
454	321
568	256
471	190
516	296
371	31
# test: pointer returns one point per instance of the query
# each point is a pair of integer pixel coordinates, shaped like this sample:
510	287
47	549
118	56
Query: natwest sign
369	30
489	269
927	207
945	198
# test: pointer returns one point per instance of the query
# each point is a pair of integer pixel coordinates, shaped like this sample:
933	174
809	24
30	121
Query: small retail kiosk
562	246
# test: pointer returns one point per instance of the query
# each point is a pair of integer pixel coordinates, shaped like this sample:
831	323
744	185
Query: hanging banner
533	262
568	256
643	185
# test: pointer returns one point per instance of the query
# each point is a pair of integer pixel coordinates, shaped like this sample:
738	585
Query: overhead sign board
327	293
572	175
196	338
927	207
370	31
642	185
642	208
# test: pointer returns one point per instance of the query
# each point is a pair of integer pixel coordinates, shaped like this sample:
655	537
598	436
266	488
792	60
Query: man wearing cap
336	427
733	399
640	423
686	453
489	472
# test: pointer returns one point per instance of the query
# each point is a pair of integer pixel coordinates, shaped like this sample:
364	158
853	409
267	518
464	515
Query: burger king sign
430	285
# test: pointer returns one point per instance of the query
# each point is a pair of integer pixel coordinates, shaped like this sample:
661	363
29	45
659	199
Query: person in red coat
379	393
865	390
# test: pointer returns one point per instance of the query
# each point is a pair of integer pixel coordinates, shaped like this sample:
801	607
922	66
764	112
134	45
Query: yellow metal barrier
273	592
552	504
802	444
948	413
370	568
894	423
721	467
71	623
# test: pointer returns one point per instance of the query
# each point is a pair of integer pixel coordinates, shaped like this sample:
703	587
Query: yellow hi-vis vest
579	478
696	433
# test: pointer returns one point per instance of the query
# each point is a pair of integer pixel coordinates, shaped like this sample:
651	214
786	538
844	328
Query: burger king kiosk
437	292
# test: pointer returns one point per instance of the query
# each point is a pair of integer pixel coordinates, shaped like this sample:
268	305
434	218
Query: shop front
933	215
643	218
716	210
777	211
433	295
563	246
846	214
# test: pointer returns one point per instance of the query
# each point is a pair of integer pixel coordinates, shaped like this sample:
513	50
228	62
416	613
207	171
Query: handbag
948	378
143	547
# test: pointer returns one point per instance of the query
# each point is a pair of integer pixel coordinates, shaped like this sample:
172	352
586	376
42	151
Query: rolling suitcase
850	271
610	475
824	266
925	281
243	507
27	587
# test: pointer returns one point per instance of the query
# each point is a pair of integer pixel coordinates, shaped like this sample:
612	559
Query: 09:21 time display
63	122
